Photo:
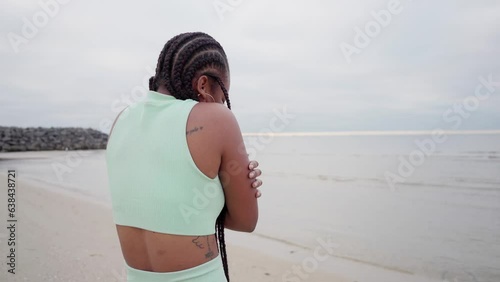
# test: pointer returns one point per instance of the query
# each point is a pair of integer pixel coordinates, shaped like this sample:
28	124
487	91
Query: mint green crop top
153	181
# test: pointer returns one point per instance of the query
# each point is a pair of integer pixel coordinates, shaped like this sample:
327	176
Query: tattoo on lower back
209	253
196	129
198	242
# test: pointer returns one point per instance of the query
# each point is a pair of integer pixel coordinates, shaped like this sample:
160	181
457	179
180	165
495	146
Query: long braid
219	225
219	233
224	90
182	58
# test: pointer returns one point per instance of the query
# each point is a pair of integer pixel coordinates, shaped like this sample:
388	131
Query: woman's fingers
255	173
253	164
257	183
258	194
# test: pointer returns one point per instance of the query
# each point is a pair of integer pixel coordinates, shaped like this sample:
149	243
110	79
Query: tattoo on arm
196	129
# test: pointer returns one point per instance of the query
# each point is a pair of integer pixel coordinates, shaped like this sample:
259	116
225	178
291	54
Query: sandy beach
62	237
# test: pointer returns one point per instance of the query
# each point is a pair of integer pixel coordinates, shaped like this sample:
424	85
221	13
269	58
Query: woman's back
174	161
164	156
149	162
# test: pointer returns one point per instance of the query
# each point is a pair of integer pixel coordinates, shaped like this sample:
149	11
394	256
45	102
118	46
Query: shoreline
267	254
62	237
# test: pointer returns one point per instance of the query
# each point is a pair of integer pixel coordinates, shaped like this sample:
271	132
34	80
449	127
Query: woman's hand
254	173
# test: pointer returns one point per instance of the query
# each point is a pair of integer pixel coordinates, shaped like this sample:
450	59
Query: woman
178	169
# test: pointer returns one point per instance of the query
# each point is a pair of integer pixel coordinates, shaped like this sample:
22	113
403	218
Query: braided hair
183	58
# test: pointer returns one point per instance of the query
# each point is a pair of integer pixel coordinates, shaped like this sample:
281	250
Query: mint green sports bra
153	181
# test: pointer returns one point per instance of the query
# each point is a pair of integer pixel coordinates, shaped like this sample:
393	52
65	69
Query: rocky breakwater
15	139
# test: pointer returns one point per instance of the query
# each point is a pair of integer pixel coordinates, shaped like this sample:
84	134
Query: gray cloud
91	54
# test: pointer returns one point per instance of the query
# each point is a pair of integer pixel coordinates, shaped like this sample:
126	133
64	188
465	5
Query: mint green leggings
211	271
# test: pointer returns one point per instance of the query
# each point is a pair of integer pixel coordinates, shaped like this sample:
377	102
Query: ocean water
438	219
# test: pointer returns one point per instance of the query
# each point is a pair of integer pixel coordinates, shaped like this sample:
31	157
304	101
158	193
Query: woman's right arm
242	209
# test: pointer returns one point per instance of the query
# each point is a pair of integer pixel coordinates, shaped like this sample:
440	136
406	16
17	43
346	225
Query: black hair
183	58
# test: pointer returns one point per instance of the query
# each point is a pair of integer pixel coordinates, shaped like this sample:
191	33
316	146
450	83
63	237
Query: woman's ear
202	85
203	88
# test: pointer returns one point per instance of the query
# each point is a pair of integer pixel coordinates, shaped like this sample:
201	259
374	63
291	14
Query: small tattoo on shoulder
196	129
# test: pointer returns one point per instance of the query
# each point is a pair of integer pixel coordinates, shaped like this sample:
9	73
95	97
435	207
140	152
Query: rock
53	138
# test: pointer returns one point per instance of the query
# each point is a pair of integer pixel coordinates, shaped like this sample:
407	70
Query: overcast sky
76	63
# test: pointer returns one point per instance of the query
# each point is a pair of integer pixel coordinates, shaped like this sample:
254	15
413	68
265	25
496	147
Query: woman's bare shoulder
217	115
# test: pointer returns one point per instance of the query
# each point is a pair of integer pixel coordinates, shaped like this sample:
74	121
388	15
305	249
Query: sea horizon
324	132
374	132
